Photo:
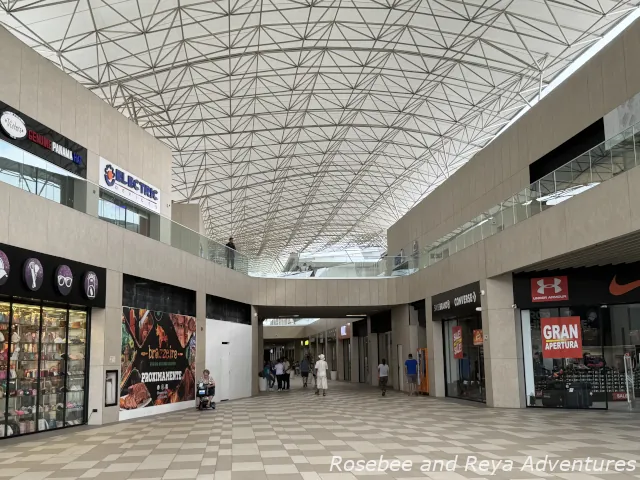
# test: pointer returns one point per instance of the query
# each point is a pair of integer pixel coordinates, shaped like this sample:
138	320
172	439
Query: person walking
304	370
411	370
231	253
321	372
280	373
383	376
287	374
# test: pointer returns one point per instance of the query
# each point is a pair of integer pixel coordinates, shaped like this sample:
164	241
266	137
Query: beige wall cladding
501	168
36	87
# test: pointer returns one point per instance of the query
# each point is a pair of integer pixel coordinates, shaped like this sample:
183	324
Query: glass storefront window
42	368
27	172
464	369
581	379
124	214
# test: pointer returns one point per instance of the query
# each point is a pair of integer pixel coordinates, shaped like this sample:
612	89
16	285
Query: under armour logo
555	285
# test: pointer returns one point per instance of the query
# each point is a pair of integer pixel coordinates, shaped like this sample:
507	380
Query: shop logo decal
13	125
549	289
64	279
33	274
109	175
616	289
5	268
91	285
561	337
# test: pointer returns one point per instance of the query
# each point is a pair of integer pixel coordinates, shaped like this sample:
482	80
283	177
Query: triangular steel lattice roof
313	124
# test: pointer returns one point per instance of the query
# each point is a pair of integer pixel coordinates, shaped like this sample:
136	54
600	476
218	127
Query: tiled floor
293	436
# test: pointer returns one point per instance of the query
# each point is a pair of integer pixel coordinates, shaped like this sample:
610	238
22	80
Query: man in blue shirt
411	370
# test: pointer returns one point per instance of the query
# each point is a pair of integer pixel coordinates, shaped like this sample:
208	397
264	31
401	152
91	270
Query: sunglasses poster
157	358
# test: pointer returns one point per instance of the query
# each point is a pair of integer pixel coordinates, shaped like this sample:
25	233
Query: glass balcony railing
33	174
614	156
603	162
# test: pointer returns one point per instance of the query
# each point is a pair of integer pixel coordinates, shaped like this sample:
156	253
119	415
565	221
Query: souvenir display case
42	368
5	315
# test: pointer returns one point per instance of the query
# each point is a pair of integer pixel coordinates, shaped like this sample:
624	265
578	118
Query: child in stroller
205	391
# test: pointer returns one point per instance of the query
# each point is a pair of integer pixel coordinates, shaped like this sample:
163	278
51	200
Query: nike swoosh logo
616	289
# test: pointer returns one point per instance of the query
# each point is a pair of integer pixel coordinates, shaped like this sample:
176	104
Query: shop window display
464	359
42	365
602	373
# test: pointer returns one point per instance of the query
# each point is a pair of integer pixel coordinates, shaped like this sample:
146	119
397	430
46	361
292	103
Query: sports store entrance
581	337
463	341
45	312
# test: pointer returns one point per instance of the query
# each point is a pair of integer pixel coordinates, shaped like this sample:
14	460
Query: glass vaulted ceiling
303	125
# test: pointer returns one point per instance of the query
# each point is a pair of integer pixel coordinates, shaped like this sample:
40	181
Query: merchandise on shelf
44	368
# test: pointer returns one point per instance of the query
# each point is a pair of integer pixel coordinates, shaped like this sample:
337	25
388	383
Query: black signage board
31	275
30	135
607	285
456	303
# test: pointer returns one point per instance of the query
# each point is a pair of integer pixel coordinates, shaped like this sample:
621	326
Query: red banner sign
477	337
549	289
457	342
561	337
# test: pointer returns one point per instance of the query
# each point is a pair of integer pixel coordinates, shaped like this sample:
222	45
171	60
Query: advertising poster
477	337
157	358
561	337
457	342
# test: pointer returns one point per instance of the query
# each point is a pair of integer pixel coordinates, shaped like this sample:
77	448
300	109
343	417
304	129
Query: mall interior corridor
293	435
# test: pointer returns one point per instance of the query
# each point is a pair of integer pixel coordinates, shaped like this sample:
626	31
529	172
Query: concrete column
257	342
201	332
105	345
373	354
404	332
355	360
503	359
435	353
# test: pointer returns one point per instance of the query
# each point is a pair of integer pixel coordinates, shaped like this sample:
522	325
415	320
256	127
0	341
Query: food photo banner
157	360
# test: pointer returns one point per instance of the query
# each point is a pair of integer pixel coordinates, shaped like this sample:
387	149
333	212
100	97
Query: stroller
203	393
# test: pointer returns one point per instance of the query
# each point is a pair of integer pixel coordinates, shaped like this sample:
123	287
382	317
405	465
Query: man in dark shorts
411	370
305	366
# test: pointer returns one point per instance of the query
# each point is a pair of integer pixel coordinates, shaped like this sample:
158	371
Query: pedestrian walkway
294	435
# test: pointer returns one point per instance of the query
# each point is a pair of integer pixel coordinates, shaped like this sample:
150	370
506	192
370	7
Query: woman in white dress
321	369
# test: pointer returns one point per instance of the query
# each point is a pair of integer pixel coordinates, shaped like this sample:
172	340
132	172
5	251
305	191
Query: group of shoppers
280	372
410	370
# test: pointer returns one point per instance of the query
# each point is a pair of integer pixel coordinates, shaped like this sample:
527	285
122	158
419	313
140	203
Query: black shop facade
458	311
581	337
45	329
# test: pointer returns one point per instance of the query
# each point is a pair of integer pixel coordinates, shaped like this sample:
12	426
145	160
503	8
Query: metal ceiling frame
306	125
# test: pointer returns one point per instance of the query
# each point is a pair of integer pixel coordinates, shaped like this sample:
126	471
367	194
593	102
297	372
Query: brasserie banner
157	358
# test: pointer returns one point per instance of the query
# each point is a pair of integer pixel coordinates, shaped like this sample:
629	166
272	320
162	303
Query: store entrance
464	358
346	357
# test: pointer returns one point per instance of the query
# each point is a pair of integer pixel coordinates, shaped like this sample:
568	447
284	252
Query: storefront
458	311
37	159
158	351
128	201
581	337
228	341
45	318
344	336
